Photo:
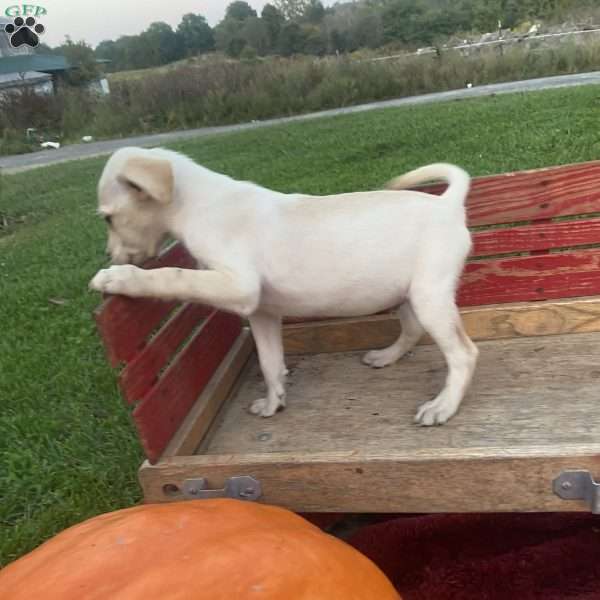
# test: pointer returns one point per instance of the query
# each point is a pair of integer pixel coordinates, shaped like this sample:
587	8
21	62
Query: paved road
24	162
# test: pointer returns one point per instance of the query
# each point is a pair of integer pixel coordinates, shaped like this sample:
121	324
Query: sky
97	20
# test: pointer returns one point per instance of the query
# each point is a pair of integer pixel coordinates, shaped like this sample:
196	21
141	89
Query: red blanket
488	557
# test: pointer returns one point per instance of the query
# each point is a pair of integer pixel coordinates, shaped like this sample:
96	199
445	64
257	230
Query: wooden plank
480	480
142	372
201	416
486	323
535	194
531	278
525	392
538	237
161	412
125	323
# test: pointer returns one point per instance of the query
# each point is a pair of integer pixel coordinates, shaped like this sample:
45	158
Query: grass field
67	447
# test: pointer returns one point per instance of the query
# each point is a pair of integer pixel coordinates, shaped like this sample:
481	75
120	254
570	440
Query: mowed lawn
67	447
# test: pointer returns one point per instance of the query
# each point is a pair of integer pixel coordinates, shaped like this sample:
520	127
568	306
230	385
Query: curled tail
458	180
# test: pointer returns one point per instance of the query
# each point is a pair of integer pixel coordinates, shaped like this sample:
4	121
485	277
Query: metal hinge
578	485
239	488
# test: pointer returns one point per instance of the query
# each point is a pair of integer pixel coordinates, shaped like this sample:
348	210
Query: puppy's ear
150	176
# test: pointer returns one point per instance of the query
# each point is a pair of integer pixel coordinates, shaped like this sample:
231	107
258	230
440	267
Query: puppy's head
134	195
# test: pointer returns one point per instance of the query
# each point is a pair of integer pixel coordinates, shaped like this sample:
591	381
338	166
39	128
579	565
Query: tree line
289	27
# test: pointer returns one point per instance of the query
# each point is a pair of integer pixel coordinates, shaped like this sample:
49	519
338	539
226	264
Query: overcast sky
97	20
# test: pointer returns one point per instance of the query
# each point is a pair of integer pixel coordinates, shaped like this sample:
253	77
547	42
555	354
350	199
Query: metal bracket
239	488
578	485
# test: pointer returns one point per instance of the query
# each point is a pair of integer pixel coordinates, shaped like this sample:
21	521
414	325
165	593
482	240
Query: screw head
566	485
193	491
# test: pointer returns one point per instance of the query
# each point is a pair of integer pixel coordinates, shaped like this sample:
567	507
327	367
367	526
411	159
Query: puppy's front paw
264	408
118	279
435	412
380	358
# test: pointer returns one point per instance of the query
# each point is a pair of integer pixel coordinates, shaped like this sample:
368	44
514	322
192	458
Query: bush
60	116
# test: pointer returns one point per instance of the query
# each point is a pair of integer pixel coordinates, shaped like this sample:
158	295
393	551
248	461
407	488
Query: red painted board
163	409
535	238
532	195
531	278
535	195
142	372
125	323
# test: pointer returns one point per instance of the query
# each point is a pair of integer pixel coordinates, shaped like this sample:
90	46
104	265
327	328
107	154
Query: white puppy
269	255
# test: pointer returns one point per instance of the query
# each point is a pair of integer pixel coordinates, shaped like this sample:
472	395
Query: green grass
67	447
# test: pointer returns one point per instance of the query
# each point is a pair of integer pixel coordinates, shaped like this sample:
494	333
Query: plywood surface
527	393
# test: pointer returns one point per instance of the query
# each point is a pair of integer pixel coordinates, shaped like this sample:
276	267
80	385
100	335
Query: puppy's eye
108	220
134	186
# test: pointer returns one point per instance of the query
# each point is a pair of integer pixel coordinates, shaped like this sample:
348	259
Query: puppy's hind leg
266	330
412	331
440	318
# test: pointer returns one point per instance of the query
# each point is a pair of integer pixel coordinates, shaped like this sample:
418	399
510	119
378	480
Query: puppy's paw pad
100	281
379	358
435	412
263	408
113	279
258	406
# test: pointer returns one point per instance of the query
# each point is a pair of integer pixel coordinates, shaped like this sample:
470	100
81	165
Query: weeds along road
25	162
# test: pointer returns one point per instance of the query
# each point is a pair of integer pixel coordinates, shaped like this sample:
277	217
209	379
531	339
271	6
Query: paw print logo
24	32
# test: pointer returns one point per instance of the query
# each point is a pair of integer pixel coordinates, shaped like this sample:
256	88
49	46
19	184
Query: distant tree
135	52
368	30
273	18
240	11
106	49
486	15
196	34
229	37
314	42
163	43
314	12
109	50
403	20
340	26
306	26
513	13
291	39
292	9
83	60
255	33
338	41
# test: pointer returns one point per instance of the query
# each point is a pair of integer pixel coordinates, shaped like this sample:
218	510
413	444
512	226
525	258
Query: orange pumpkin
197	550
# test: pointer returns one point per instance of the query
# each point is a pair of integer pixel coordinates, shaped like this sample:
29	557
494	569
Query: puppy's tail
458	180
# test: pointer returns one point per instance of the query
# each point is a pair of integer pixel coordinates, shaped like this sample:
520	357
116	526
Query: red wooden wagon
527	437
